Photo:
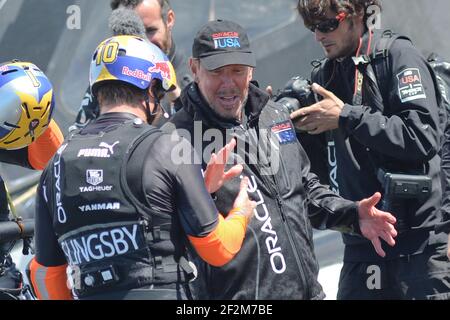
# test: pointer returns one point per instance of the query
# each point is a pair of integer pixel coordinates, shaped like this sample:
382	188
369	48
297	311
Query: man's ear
170	19
145	98
194	64
250	74
150	98
150	91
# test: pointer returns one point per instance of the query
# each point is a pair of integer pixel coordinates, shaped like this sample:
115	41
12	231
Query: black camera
405	186
400	191
296	94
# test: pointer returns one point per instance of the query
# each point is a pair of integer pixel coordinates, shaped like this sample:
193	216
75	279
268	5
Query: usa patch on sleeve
410	85
284	132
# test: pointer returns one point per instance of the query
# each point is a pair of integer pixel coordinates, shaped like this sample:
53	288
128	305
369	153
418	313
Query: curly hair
164	4
313	10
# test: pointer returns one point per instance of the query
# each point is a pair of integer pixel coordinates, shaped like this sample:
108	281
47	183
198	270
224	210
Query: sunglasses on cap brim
328	25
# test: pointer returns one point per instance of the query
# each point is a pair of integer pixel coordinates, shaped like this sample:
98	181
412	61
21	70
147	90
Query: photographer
385	143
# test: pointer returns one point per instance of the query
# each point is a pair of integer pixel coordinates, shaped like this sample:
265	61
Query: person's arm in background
48	268
42	150
37	154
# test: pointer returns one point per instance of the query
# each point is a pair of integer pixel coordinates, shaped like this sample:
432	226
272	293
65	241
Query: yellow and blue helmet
26	104
133	60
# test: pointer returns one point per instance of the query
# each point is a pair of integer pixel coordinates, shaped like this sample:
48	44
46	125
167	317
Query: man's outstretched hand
376	224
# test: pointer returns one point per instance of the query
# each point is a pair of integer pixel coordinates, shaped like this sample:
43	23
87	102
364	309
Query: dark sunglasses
328	25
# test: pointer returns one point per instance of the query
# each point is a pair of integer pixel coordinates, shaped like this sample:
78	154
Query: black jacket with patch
398	132
277	259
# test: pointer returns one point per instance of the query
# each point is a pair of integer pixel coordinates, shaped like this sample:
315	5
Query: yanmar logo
100	206
104	150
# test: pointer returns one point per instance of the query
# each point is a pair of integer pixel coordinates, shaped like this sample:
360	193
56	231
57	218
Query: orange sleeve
43	149
49	283
224	242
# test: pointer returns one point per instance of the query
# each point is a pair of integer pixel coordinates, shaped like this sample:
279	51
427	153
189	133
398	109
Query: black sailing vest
106	234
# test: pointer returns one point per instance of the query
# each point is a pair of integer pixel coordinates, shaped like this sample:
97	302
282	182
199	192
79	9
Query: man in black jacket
277	259
379	138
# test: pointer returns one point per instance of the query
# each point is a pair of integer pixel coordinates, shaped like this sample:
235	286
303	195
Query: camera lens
291	104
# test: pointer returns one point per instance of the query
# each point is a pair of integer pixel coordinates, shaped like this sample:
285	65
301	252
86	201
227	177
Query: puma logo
109	147
104	150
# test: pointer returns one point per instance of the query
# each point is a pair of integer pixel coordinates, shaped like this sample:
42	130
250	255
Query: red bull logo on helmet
4	68
162	68
138	74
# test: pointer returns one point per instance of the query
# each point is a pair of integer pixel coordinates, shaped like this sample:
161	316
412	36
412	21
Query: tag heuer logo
94	177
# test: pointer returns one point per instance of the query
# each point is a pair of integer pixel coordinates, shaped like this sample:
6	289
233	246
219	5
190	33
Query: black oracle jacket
277	260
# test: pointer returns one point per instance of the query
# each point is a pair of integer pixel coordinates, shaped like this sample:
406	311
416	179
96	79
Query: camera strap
375	73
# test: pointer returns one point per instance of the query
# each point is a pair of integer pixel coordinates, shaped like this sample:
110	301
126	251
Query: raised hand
215	175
